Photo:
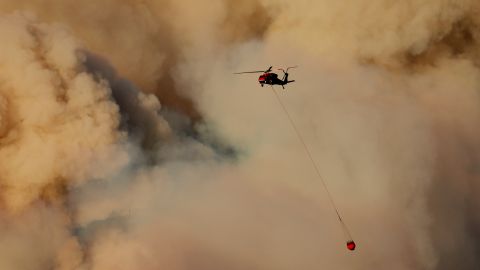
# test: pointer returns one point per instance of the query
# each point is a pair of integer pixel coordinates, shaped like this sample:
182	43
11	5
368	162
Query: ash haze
126	143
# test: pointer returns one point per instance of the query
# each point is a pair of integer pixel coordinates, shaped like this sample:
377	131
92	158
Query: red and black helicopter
271	78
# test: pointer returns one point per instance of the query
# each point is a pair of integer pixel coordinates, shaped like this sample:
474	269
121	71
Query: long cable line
350	243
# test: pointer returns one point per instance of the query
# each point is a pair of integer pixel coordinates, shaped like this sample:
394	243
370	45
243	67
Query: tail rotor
285	71
285	74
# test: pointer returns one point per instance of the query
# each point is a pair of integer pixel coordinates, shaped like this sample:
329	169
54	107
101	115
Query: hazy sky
127	143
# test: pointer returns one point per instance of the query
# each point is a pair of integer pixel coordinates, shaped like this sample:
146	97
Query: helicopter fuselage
271	78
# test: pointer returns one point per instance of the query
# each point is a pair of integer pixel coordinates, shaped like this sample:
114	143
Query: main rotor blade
258	71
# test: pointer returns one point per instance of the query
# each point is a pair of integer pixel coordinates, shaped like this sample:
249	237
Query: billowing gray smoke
125	143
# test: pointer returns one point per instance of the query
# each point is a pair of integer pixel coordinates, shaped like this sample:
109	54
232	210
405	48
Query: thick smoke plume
57	119
125	143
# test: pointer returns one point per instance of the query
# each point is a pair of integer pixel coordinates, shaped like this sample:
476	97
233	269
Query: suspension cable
317	170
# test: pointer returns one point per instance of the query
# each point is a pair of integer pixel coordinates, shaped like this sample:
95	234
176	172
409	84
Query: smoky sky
127	143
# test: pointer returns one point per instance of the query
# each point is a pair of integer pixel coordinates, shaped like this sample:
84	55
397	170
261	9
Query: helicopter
271	78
